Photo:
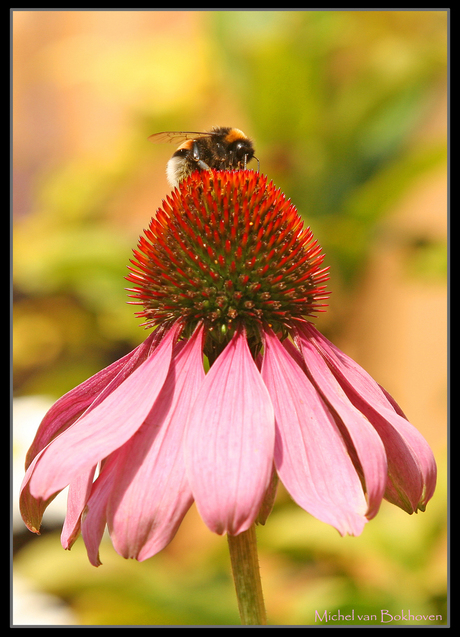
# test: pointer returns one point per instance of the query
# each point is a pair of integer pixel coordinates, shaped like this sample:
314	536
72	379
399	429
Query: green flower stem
245	567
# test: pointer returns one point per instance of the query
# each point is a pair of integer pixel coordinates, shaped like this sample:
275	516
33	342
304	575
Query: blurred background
348	112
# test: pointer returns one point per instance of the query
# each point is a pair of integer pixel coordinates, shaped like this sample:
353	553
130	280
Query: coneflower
226	270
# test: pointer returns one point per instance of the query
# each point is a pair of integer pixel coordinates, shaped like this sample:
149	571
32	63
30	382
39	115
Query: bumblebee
221	148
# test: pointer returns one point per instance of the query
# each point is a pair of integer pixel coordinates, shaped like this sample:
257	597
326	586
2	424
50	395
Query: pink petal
71	406
63	413
411	465
105	427
79	492
152	493
367	443
229	441
94	517
310	455
31	509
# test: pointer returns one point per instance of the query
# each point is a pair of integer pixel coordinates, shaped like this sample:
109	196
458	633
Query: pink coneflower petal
105	428
152	493
411	465
79	492
32	509
229	441
366	441
310	456
94	517
71	406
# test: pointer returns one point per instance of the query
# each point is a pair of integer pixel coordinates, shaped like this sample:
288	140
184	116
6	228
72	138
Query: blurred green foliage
338	104
337	98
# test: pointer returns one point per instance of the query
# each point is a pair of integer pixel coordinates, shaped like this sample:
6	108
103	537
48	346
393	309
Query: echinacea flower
226	271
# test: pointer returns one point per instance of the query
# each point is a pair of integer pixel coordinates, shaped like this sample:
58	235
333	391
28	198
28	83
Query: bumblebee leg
202	165
196	156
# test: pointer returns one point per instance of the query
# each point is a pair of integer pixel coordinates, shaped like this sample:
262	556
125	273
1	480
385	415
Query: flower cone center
228	250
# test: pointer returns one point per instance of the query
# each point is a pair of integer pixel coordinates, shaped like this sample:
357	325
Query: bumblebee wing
176	136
